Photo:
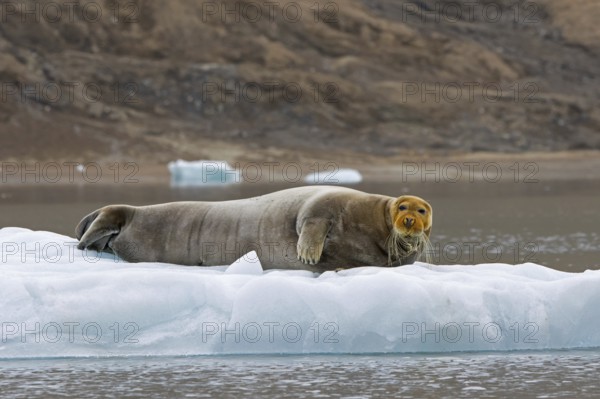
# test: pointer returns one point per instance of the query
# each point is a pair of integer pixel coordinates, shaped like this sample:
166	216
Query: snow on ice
58	301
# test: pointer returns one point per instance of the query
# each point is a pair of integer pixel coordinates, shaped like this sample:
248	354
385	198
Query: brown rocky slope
154	81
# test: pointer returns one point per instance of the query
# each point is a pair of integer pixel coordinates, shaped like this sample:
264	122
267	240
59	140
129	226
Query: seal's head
411	216
411	219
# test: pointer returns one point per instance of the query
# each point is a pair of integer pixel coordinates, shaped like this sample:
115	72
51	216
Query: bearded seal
314	228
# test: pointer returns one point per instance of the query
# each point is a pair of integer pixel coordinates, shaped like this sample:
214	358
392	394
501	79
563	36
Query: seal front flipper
312	239
97	229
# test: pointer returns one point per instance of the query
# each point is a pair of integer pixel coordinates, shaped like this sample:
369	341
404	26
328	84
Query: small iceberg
338	176
199	173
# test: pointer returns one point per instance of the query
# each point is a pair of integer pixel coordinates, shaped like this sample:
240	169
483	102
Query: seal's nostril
408	222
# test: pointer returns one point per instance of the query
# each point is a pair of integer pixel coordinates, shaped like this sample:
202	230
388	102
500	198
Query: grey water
553	223
572	374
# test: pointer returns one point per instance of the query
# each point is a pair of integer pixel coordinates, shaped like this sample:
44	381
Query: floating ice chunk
195	173
58	301
338	176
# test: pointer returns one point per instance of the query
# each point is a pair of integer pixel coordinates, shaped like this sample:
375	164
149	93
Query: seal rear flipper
85	223
312	240
97	238
96	230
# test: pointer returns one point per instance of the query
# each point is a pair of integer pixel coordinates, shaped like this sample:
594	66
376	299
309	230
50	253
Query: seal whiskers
397	247
427	249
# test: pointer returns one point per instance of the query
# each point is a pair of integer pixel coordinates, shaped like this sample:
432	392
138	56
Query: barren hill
153	80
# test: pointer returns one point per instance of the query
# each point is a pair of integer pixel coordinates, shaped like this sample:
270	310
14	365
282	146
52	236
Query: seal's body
315	228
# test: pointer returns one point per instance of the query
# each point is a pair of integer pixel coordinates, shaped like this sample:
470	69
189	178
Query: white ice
193	173
337	176
58	301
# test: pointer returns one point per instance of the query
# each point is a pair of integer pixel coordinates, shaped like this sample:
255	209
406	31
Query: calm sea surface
572	374
550	223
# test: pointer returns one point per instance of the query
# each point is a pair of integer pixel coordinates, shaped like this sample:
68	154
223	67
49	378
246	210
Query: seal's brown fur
316	228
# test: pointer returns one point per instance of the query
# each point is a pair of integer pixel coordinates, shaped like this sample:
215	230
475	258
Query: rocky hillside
153	80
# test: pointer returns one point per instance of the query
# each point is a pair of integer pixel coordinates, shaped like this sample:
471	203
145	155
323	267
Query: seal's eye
402	208
422	211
